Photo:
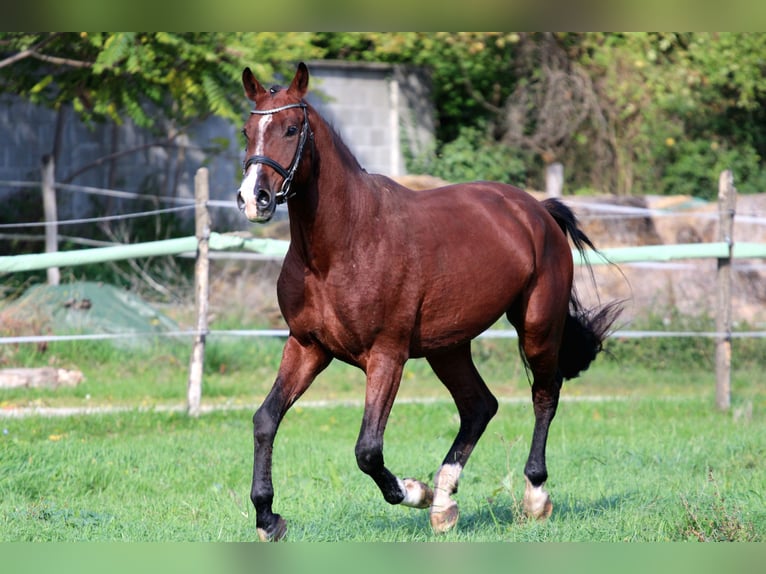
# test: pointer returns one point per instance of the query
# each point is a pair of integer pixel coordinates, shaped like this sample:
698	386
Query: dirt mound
688	286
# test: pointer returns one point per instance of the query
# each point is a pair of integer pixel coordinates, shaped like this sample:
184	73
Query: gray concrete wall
378	109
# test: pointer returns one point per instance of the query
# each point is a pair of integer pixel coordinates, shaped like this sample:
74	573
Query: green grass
623	470
240	371
652	460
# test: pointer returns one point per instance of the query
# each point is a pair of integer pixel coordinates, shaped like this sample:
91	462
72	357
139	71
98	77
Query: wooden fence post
554	179
202	231
727	199
50	211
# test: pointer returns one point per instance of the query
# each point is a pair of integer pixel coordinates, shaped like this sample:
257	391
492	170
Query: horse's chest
336	315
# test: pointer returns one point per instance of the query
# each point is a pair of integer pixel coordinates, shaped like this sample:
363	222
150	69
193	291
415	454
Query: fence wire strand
596	211
96	219
284	333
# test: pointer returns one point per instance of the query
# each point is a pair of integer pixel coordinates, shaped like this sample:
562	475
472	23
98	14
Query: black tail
585	329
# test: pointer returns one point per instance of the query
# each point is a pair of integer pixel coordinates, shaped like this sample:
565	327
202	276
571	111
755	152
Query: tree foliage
150	77
624	112
681	108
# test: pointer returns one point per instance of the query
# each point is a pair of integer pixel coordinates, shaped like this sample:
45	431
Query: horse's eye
291	131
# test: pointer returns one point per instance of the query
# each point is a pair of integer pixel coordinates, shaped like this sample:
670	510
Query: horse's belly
451	330
450	316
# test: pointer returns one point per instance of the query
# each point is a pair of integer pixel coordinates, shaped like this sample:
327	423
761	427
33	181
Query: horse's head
276	134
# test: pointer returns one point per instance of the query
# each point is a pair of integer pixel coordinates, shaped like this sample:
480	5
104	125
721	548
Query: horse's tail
585	329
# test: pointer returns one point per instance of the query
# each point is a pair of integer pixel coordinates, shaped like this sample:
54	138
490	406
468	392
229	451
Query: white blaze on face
247	187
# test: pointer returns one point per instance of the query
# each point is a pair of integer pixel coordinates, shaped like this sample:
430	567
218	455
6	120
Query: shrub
473	156
693	168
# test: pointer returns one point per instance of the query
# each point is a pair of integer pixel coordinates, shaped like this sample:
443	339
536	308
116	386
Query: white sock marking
414	492
445	483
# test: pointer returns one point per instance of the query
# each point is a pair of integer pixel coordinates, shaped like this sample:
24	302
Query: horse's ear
252	86
300	82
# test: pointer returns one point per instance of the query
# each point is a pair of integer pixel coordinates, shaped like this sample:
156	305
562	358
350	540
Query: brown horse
377	274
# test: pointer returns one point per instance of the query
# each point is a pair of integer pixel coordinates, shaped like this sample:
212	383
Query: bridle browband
287	174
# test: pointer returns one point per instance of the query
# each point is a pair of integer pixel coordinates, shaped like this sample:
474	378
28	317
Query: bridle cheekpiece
287	174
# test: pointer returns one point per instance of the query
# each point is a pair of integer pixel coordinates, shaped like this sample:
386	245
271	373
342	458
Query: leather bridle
287	173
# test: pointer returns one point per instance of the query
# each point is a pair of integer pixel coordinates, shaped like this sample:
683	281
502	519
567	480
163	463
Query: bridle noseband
287	174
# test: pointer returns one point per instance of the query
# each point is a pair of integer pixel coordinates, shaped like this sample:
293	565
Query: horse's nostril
263	198
240	201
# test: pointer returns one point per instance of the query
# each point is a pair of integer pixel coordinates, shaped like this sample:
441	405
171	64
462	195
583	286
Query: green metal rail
278	248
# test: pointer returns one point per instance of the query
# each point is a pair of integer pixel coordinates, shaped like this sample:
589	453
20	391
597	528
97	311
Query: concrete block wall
377	109
380	110
358	103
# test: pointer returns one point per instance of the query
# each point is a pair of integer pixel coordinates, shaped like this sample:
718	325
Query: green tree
159	80
624	112
472	74
681	108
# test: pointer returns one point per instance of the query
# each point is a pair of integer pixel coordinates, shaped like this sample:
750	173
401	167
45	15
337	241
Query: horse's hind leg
476	406
539	340
545	398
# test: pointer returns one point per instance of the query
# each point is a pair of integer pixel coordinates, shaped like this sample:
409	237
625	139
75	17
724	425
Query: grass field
636	453
240	371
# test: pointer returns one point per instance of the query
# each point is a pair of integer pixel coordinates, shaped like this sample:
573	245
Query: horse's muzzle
260	208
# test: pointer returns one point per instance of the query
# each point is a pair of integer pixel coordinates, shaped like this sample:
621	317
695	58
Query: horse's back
495	222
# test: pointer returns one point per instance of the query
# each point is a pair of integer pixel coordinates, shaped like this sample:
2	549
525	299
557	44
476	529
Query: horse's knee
369	456
476	420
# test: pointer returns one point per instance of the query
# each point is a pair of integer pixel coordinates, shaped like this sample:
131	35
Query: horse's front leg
300	365
383	378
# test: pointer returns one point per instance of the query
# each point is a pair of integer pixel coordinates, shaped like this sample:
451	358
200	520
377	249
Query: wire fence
646	256
284	333
592	211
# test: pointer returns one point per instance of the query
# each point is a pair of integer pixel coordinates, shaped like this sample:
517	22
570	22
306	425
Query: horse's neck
323	221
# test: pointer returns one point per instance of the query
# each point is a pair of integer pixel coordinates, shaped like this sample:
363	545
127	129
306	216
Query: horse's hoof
417	494
276	534
444	519
537	502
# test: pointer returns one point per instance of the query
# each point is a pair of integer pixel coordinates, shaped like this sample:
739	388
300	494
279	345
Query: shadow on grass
492	520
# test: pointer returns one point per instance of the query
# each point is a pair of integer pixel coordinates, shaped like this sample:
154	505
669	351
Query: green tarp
89	307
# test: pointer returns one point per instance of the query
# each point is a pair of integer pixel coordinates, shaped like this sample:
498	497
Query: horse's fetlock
271	528
537	476
393	496
369	458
